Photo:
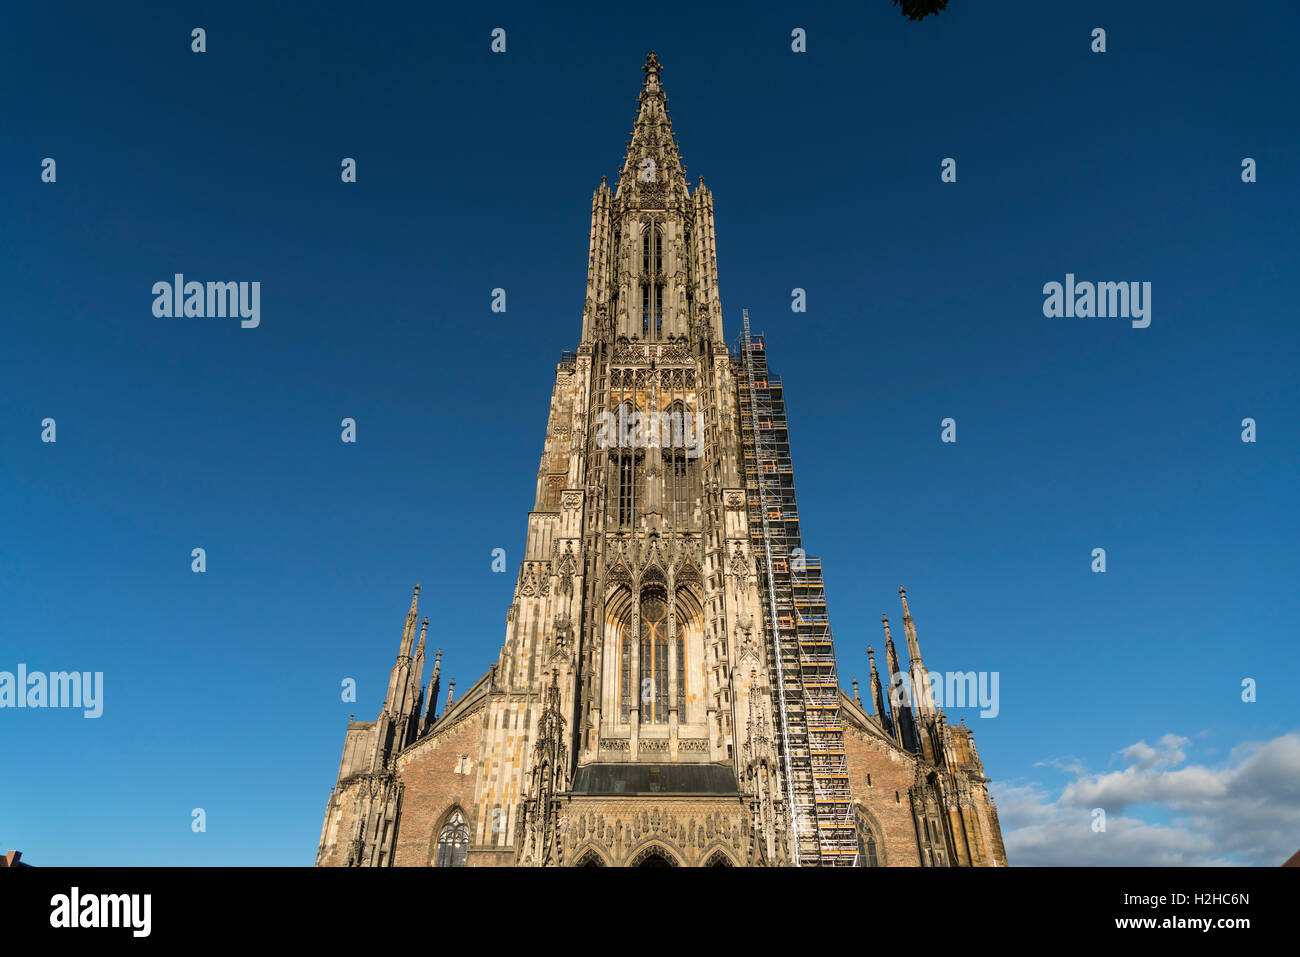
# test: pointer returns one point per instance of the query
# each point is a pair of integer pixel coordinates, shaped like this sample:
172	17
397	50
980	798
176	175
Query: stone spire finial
451	695
652	70
909	630
435	683
855	693
408	631
652	161
900	699
877	695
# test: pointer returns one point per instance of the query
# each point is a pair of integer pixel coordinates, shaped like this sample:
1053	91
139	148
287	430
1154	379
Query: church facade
667	692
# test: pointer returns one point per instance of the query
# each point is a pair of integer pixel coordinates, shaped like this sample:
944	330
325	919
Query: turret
900	698
877	695
401	704
928	735
431	713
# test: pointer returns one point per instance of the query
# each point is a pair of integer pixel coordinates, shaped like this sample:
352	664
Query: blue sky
475	171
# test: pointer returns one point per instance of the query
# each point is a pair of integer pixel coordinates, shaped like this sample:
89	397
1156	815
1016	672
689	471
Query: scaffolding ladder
802	649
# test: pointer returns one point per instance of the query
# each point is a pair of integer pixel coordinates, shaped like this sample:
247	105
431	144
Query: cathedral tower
653	702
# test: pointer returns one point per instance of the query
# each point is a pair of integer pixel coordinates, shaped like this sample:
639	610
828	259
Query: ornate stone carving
630	353
563	635
748	648
687	574
619	575
564	568
540	820
675	353
739	566
529	586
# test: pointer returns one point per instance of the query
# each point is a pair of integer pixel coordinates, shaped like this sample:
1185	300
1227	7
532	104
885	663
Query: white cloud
1245	811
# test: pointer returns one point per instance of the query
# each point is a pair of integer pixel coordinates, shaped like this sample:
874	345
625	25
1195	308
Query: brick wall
890	773
437	774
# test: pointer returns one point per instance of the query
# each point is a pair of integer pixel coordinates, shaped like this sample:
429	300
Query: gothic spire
877	695
408	632
891	654
909	629
435	684
900	701
922	698
399	719
653	161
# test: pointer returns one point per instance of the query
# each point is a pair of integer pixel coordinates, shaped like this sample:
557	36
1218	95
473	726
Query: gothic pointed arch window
626	462
869	848
681	676
654	659
453	841
680	446
625	676
652	287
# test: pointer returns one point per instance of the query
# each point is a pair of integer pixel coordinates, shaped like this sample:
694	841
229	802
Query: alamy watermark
640	430
214	300
58	689
951	689
75	909
1102	300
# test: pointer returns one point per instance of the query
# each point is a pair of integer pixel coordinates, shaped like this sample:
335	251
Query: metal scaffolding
801	648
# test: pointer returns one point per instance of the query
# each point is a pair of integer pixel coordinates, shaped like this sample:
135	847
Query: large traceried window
453	841
681	676
625	677
654	661
649	688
